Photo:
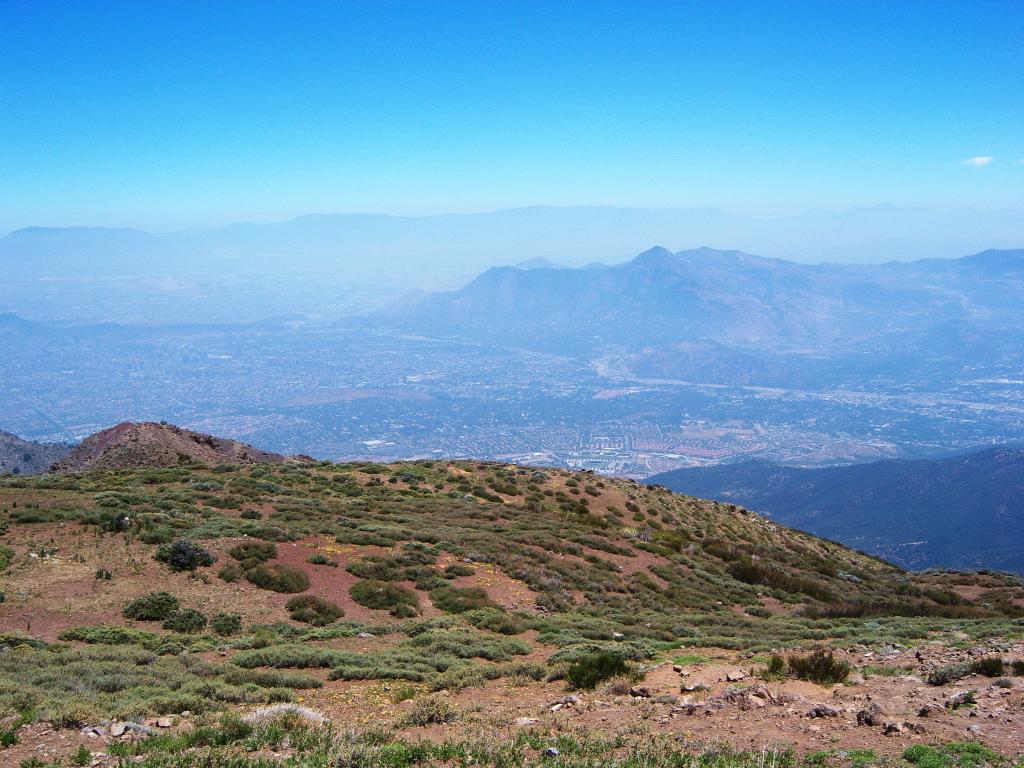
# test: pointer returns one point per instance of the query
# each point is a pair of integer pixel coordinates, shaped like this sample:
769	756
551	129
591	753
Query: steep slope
25	457
958	512
148	444
457	594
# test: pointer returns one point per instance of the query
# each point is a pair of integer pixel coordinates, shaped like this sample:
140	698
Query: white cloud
978	162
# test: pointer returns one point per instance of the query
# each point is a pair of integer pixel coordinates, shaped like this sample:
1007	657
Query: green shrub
382	595
460	600
156	606
496	620
82	756
949	673
319	558
251	514
458	569
186	621
990	666
313	610
432	710
820	667
184	555
225	624
278	577
1018	667
593	668
775	669
252	553
230	573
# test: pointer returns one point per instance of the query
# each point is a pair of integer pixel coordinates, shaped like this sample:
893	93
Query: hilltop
26	457
149	444
438	598
964	511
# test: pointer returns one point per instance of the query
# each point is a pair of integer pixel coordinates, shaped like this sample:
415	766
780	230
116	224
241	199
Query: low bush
458	569
156	606
226	624
990	666
593	668
432	710
1018	667
820	667
460	600
313	610
230	573
382	595
775	669
184	555
252	553
186	621
278	577
949	673
319	558
251	514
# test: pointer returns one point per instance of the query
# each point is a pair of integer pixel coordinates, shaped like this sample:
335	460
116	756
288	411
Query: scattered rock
164	722
892	729
960	699
871	715
823	710
640	693
525	722
551	752
735	676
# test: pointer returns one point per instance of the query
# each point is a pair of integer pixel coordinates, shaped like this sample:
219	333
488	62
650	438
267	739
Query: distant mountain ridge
964	511
661	298
376	245
26	457
149	444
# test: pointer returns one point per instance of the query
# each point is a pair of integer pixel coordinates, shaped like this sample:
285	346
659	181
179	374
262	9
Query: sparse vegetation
593	668
313	610
820	667
384	596
278	577
156	606
184	555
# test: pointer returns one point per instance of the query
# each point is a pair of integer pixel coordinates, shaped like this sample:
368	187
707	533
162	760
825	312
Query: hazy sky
173	114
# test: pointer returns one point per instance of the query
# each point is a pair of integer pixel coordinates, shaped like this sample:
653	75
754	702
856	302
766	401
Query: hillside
960	512
445	602
149	444
25	457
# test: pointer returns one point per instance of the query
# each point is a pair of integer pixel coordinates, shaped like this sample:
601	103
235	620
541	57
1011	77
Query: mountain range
771	311
964	511
422	249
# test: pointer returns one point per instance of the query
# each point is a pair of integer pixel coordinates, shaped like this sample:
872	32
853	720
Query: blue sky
173	114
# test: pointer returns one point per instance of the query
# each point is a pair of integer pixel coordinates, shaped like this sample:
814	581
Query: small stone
164	722
735	676
892	729
524	722
551	752
118	729
870	715
823	710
